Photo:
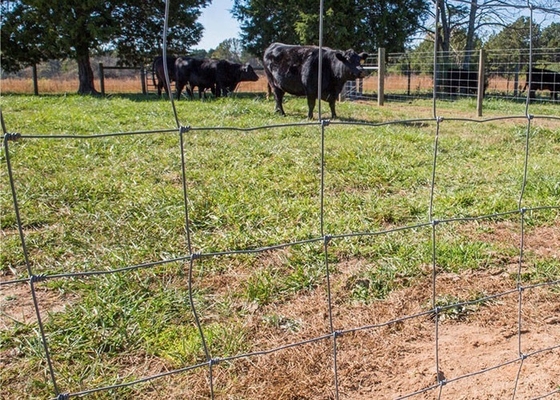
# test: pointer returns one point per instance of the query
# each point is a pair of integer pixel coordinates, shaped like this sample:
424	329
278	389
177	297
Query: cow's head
353	61
248	73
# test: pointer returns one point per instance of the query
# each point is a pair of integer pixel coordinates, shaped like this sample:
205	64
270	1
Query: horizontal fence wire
191	259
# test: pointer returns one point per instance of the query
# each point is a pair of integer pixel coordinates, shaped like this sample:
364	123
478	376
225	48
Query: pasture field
100	185
395	85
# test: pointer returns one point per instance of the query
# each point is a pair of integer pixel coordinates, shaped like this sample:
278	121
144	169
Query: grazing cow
191	72
158	71
221	76
459	80
543	79
294	70
230	74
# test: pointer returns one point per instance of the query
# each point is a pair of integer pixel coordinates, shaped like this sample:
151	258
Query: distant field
290	237
393	84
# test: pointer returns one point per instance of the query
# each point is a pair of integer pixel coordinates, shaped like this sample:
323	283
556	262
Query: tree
515	36
359	24
39	30
550	39
480	18
229	49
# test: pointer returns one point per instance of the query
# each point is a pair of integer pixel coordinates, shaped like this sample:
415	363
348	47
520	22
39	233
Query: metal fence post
381	76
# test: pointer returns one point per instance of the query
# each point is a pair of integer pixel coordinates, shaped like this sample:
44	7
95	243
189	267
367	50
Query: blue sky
218	24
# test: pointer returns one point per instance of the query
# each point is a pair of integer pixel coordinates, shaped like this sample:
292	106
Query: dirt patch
396	351
506	343
17	305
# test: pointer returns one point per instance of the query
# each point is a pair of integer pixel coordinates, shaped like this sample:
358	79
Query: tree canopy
359	24
40	30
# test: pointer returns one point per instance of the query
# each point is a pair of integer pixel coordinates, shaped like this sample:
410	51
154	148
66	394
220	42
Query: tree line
35	31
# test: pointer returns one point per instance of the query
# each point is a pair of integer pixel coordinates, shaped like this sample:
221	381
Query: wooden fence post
101	79
408	77
481	80
143	78
380	76
35	80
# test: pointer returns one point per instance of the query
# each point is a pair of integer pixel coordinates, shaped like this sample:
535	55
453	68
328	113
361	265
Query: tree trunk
85	72
445	33
470	34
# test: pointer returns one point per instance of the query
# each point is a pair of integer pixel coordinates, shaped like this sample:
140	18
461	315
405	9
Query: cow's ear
340	56
363	55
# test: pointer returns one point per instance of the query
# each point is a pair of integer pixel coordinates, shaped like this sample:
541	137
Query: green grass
99	204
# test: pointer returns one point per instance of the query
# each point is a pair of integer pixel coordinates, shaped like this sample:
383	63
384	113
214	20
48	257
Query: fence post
101	79
516	84
408	77
380	76
481	80
35	81
143	78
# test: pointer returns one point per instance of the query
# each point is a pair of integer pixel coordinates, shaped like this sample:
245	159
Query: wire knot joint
37	278
13	136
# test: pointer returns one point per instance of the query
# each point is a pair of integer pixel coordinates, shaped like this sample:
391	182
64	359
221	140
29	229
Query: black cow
459	80
230	74
543	79
294	70
158	71
191	72
221	76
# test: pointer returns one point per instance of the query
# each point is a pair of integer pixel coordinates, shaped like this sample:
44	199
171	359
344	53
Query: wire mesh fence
505	75
333	339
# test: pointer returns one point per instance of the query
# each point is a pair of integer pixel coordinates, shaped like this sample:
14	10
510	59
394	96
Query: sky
218	24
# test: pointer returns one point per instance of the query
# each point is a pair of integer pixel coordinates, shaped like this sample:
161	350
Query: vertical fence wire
32	278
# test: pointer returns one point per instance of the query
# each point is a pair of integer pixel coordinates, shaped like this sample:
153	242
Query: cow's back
158	67
289	67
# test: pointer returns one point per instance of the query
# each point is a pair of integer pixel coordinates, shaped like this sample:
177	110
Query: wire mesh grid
333	333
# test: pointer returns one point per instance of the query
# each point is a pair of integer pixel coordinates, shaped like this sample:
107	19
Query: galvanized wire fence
325	240
409	76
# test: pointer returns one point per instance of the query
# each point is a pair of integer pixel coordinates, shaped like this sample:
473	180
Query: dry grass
393	83
52	86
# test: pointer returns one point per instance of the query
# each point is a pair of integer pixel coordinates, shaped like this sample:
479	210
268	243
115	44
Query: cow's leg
190	91
332	103
166	88
532	93
159	87
279	96
311	104
180	85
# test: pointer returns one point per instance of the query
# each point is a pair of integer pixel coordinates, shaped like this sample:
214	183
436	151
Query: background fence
406	76
505	75
337	334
